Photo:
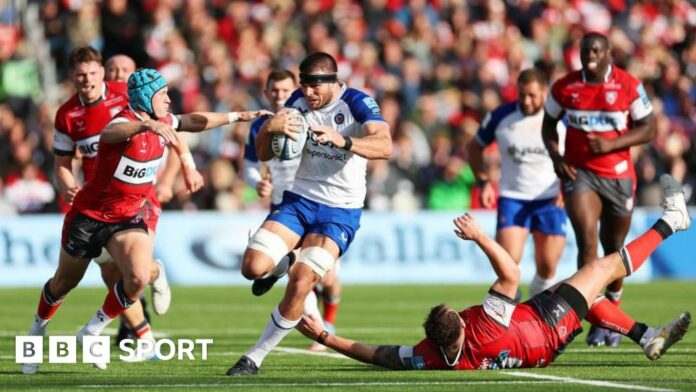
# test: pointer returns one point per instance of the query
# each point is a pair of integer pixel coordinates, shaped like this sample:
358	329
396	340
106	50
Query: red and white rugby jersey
499	334
78	124
125	173
598	110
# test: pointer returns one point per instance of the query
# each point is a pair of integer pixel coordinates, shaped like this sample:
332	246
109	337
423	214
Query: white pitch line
311	353
315	384
570	380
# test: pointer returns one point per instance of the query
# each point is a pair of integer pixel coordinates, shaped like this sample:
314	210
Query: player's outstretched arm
384	356
505	268
201	121
121	131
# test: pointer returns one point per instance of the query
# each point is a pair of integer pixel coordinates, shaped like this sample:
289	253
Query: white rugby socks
539	284
277	328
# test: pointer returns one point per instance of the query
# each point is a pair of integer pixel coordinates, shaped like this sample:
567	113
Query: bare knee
110	273
255	264
134	282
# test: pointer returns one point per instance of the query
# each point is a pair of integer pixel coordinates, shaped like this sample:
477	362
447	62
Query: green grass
377	315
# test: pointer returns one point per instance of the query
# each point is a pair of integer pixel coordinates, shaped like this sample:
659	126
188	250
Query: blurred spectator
436	67
29	190
7	208
453	190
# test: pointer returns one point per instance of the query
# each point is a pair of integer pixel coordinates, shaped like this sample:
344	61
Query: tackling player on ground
607	111
112	210
529	189
502	333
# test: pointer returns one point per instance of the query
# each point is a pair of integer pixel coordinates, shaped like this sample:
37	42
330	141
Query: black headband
307	78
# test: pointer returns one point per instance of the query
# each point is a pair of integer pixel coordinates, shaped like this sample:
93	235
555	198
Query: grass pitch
233	318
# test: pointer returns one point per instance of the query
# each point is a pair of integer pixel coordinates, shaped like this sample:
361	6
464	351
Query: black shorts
84	237
562	310
616	193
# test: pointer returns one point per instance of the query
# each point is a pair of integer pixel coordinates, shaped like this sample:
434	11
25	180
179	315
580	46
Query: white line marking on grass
317	384
570	380
311	353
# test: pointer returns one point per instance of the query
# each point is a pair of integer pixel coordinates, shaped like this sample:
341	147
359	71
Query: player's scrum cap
143	84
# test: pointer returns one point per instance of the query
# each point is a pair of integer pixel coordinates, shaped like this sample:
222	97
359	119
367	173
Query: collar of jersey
333	103
101	98
456	359
135	112
606	76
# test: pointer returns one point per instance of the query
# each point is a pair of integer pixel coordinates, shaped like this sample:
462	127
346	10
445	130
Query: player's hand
264	187
487	195
287	123
248	116
559	201
70	194
468	228
164	130
599	145
193	179
310	326
164	192
563	170
326	134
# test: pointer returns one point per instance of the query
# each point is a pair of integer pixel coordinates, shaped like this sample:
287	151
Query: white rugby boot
38	328
675	212
161	293
80	339
666	336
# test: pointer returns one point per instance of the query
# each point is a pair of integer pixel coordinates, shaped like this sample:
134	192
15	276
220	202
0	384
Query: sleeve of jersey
297	94
486	133
641	106
250	147
363	107
423	356
62	143
499	307
552	107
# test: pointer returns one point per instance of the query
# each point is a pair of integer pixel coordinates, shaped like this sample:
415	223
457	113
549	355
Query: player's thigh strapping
304	216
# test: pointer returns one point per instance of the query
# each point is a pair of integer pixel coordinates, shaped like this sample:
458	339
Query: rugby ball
284	147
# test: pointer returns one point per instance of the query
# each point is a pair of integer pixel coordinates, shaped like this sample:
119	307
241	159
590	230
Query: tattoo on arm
388	357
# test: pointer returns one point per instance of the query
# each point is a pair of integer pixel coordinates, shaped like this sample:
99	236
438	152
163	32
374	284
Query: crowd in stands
436	68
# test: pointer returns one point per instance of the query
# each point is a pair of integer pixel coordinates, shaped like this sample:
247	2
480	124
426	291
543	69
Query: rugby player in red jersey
111	210
607	111
135	321
501	333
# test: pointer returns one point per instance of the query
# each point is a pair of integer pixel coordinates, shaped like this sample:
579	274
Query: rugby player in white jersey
529	188
323	208
281	173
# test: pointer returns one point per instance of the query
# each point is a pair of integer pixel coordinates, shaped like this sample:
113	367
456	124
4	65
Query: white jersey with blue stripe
282	172
327	174
526	168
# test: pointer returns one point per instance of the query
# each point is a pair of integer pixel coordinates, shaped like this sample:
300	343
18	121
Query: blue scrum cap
143	84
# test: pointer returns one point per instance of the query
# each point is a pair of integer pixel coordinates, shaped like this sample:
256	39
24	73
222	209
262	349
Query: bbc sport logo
97	349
